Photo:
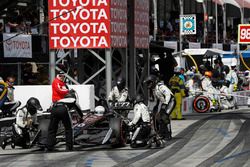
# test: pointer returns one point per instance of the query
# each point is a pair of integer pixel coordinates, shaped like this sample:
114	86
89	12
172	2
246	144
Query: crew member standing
59	88
178	89
165	103
232	77
59	112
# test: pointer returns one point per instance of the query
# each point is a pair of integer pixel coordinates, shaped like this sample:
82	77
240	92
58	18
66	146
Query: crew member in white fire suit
193	85
227	101
165	103
140	124
231	76
26	119
231	81
119	92
208	88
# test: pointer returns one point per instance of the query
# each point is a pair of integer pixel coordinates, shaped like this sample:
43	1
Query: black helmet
226	69
33	105
139	98
226	83
120	83
150	81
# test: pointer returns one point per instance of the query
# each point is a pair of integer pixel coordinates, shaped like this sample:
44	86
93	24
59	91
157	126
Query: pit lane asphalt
208	139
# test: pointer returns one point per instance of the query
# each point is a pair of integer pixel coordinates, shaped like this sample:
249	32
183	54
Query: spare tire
201	104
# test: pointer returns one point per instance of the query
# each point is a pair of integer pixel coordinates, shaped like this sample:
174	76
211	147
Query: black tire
201	104
119	133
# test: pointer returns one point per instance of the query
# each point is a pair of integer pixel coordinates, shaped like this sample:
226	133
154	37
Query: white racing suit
233	79
227	101
24	123
141	122
163	109
116	95
211	92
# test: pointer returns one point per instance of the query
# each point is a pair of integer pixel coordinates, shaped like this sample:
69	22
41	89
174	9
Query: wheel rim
201	104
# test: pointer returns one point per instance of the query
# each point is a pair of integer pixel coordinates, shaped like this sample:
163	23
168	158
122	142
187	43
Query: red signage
244	33
141	23
79	24
119	23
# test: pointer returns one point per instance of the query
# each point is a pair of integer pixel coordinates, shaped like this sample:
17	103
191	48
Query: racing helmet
193	68
33	105
139	98
150	81
226	83
120	83
202	69
226	69
246	73
208	74
99	110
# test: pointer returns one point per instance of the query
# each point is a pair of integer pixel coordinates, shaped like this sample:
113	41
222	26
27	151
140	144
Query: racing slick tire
119	133
201	104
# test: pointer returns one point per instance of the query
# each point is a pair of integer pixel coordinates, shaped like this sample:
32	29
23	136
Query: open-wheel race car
100	128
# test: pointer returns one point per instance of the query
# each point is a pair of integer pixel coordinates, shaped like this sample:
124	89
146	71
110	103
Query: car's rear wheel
119	133
201	104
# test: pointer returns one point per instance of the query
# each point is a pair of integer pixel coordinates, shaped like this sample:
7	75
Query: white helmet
99	110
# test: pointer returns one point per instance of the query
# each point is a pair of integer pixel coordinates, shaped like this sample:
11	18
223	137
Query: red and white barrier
187	105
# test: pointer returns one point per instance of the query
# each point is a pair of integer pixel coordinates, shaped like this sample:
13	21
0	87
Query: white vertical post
180	36
224	23
205	21
52	65
108	58
216	24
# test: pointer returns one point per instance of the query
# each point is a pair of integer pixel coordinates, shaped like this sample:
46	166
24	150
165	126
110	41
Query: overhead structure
241	4
97	43
138	45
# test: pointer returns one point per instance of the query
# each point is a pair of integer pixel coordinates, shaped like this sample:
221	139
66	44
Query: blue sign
188	24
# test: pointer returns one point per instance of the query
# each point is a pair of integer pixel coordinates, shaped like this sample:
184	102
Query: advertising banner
119	24
141	22
79	24
17	46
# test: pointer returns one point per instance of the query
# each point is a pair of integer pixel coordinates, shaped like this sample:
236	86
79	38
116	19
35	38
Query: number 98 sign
244	33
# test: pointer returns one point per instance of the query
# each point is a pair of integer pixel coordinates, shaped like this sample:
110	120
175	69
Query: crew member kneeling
140	123
26	120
